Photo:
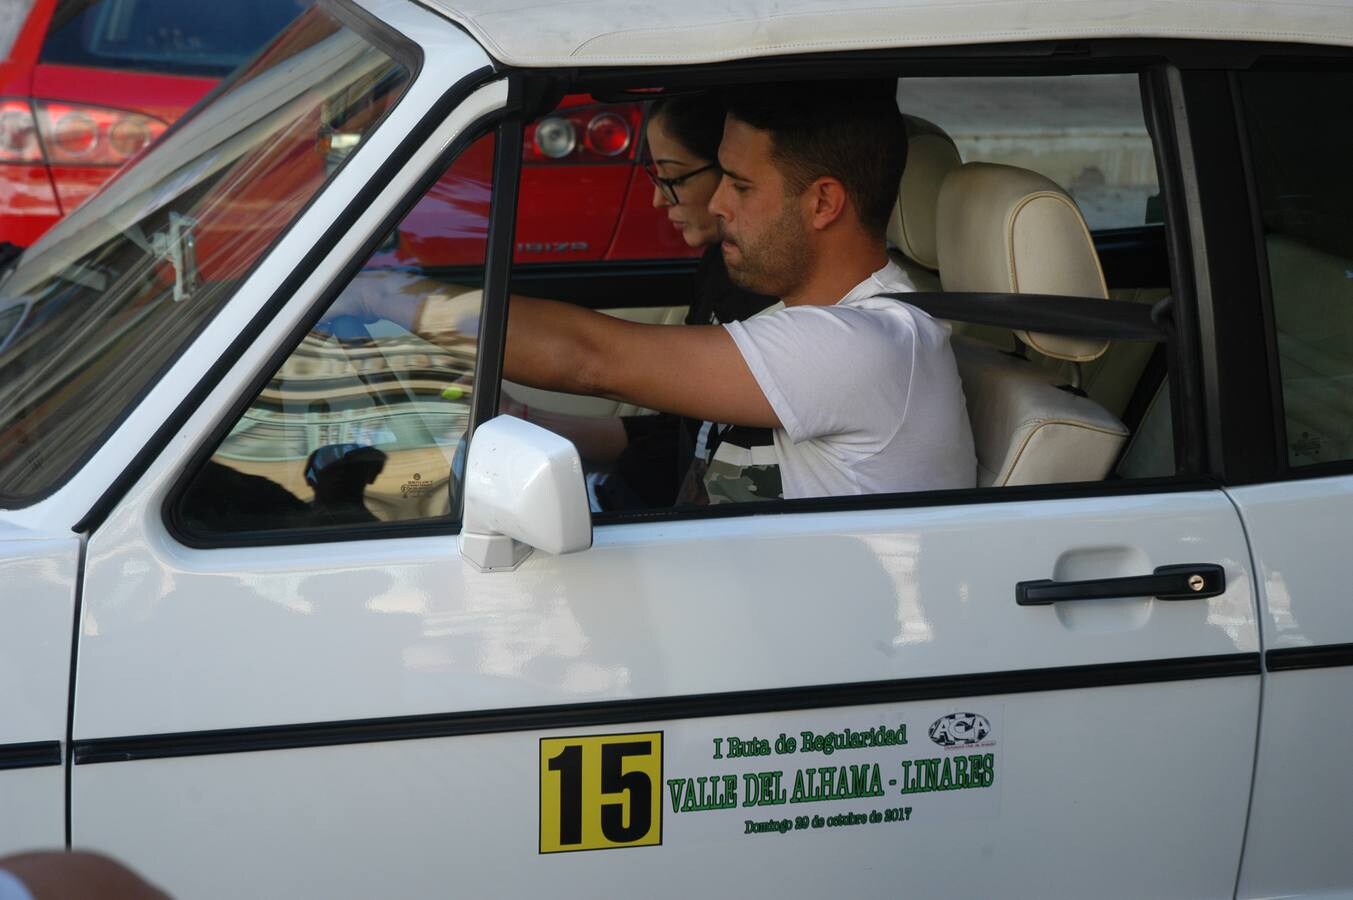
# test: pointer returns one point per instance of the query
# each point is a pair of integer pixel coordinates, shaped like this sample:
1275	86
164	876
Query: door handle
1165	583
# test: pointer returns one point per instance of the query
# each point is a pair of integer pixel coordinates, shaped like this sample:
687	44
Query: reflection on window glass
112	293
364	421
165	35
1085	132
1301	136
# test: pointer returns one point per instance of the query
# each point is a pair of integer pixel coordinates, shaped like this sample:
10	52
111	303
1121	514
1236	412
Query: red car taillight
584	134
18	133
78	135
67	134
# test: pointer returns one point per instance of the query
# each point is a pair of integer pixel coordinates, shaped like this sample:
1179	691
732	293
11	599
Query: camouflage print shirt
742	466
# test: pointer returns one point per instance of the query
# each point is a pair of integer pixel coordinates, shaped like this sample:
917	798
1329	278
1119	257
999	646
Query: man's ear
828	201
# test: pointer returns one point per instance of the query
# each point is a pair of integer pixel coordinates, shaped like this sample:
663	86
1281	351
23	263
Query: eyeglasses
668	186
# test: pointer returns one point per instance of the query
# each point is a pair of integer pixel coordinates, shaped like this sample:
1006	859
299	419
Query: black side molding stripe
32	755
581	715
1327	656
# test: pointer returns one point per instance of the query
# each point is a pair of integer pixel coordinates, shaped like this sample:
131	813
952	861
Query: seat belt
1087	317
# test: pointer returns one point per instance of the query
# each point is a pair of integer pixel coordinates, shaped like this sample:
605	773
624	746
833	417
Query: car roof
537	33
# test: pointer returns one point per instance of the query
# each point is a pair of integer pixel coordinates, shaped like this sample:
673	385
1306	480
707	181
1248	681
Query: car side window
1301	138
364	422
1113	394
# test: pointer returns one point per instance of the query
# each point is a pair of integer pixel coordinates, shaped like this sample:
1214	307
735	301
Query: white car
268	629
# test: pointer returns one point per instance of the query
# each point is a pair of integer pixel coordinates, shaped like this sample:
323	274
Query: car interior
1044	408
974	214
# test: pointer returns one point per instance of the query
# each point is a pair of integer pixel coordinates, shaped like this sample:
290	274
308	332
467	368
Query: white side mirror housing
524	489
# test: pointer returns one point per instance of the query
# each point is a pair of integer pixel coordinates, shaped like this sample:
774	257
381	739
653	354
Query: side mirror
523	489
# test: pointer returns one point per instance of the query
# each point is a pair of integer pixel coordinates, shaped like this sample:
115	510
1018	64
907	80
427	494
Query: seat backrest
931	155
1001	229
1027	430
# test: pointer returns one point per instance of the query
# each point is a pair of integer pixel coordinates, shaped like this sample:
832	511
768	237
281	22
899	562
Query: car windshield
96	309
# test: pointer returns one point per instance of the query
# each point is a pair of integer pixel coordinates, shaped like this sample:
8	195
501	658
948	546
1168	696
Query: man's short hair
849	130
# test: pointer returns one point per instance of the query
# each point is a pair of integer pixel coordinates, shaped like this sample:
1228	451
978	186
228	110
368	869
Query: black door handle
1166	583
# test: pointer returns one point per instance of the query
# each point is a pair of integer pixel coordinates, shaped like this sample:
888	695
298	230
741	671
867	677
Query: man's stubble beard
779	261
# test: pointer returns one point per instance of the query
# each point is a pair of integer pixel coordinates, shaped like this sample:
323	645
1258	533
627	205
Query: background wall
11	14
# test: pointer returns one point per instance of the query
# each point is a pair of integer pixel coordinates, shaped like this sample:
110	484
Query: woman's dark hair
695	120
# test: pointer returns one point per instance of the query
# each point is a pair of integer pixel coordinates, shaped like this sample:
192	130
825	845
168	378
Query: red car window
164	35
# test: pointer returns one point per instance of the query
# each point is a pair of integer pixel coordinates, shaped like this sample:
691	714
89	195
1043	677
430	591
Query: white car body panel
407	628
37	602
458	816
618	32
1301	816
370	630
38	599
34	801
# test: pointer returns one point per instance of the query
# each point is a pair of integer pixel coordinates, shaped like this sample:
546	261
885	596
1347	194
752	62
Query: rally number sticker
600	791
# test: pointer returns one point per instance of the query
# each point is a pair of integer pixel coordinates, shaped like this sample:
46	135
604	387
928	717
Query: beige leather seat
1006	230
931	155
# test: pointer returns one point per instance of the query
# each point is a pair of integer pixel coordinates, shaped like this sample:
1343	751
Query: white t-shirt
867	393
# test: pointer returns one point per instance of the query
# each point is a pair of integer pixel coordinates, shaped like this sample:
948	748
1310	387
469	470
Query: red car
90	83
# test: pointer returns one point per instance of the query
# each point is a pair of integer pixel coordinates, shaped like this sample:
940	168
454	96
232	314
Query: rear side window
1085	132
169	36
1301	139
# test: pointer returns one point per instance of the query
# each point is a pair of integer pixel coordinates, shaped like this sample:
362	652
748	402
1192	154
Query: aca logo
957	729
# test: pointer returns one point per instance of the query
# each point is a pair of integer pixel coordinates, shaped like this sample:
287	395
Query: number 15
598	792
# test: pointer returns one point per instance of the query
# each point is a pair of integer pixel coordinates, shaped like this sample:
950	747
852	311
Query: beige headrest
931	155
1000	229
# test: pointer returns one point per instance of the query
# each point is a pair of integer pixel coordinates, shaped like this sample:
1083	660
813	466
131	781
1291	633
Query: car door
1296	508
795	699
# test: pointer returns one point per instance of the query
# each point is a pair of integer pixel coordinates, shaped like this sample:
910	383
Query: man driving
861	391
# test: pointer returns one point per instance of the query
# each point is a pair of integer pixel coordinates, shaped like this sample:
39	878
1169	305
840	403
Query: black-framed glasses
668	186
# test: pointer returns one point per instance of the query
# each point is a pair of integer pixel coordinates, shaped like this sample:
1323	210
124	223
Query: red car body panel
16	72
28	205
643	230
36	197
166	97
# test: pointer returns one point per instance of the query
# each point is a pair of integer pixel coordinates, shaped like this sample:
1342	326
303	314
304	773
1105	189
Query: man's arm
689	370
